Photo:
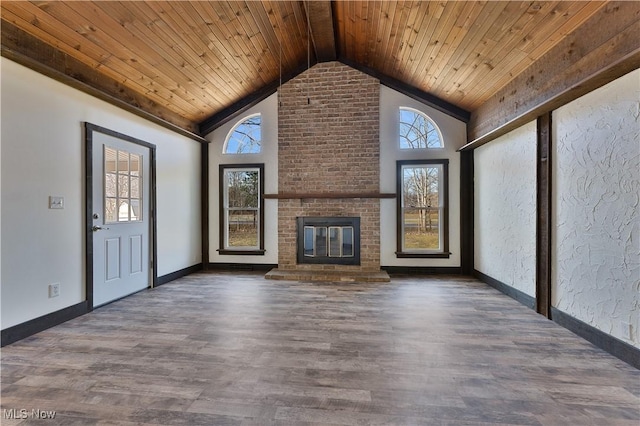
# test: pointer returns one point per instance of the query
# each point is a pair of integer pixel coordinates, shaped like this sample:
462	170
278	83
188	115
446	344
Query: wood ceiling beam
413	92
21	47
320	17
601	50
211	123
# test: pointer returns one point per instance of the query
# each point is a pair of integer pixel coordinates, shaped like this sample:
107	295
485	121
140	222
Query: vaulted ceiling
191	62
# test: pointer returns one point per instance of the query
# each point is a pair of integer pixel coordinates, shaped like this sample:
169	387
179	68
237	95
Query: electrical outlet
54	290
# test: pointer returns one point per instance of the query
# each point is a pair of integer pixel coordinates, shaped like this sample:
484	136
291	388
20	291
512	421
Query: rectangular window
241	210
122	186
422	210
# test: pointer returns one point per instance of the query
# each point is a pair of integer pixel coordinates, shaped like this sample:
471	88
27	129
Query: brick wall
329	144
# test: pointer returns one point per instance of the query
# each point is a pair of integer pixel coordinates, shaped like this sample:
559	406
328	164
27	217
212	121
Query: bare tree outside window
421	207
245	137
417	131
242	207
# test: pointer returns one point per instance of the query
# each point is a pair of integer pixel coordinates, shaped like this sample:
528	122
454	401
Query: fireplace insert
329	240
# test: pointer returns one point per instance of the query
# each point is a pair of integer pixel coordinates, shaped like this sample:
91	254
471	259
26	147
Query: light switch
56	202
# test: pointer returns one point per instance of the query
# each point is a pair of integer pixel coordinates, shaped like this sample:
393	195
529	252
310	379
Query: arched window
245	137
417	131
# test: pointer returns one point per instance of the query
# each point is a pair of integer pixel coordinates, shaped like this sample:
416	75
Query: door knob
97	228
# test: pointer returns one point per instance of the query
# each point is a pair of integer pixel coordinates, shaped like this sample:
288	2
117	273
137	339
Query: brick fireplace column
329	144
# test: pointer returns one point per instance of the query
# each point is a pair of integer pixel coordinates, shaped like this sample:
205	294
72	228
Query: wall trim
36	325
178	274
525	299
618	348
422	270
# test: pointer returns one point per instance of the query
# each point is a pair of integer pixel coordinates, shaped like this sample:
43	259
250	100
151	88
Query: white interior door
121	219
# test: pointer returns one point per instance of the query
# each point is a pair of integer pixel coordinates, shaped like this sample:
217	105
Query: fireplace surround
328	240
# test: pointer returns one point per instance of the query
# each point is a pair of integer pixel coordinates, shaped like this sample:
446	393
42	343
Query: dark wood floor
238	349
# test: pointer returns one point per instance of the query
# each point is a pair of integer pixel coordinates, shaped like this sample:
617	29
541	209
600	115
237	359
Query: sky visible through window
417	131
245	137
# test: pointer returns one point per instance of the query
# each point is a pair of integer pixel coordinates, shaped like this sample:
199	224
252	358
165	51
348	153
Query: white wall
269	156
505	209
596	198
454	136
43	155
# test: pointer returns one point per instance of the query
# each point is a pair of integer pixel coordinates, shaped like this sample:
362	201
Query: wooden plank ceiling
191	60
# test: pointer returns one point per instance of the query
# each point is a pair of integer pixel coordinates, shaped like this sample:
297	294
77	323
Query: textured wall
596	275
505	209
330	144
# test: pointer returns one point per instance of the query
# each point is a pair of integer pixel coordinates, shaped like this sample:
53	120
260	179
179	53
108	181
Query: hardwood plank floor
234	348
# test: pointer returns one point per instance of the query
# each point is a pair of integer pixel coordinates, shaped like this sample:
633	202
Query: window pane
242	189
135	187
135	165
308	241
123	186
110	156
321	241
110	210
123	162
334	241
421	229
123	212
245	137
417	131
420	186
110	184
136	211
347	242
243	228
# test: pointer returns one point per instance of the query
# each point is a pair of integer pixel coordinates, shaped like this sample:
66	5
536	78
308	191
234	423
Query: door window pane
135	165
110	210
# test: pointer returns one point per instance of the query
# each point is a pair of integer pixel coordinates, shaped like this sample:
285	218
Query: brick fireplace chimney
329	160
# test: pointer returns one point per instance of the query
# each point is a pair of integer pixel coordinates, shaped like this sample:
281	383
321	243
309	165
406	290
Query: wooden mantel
328	195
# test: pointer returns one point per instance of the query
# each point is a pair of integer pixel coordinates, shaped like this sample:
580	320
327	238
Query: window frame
233	130
428	119
443	227
223	197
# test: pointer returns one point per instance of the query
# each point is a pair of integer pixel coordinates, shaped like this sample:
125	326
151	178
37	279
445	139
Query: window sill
242	252
419	255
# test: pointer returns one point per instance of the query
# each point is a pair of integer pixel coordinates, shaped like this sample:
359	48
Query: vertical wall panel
505	209
596	199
